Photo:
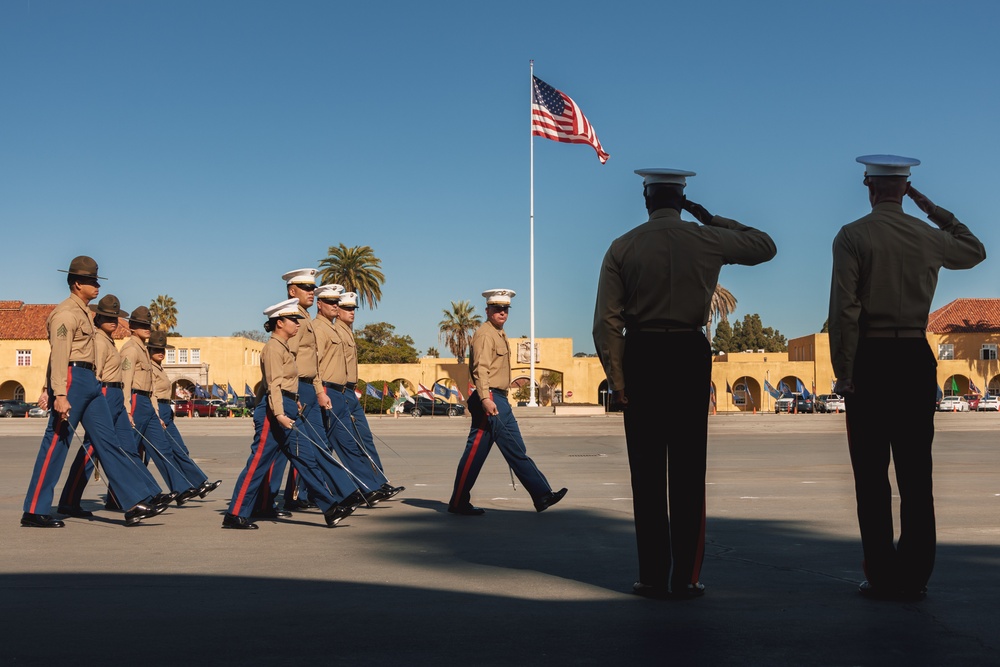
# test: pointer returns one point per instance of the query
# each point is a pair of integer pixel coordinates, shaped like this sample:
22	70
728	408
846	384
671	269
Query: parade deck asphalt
406	583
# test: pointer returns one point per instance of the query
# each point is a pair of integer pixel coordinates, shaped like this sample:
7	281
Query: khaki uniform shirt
489	360
71	337
350	349
663	274
303	346
137	369
277	364
161	383
107	358
330	349
885	270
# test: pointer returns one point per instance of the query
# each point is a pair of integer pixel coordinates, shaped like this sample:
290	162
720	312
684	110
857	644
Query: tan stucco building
965	336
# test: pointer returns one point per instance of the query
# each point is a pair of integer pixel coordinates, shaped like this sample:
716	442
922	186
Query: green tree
433	352
378	344
163	312
751	334
826	326
255	334
357	269
457	327
722	306
723	340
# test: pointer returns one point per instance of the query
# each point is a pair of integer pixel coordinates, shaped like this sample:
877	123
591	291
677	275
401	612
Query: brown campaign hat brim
84	267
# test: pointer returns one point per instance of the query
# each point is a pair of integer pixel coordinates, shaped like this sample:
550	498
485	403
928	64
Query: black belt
83	364
307	380
894	333
351	385
502	392
147	394
678	329
163	400
290	394
335	386
113	385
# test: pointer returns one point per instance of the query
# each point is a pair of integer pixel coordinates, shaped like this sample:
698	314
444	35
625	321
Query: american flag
555	116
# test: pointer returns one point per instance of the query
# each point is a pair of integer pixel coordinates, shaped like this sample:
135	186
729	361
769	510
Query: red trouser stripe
87	453
52	446
265	429
468	464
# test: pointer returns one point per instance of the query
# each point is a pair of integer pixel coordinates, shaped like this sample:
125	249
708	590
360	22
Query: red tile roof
966	316
26	321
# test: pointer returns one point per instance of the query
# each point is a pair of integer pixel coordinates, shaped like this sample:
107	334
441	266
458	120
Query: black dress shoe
142	511
467	510
336	514
373	497
75	511
163	499
207	487
688	591
296	505
353	501
391	490
549	499
40	521
185	496
650	591
237	522
272	513
873	592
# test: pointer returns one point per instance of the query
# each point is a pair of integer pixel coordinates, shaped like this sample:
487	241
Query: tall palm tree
457	327
723	304
357	269
163	312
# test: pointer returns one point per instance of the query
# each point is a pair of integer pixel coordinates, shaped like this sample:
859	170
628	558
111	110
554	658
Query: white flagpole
531	245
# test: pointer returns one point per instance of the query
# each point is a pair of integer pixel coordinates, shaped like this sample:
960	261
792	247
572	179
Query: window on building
989	351
946	351
24	357
196	356
171	356
182	356
19	393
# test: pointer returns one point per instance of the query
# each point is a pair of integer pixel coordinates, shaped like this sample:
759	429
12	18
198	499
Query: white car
953	404
830	403
989	403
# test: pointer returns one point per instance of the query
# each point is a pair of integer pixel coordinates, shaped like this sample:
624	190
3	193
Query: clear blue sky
201	149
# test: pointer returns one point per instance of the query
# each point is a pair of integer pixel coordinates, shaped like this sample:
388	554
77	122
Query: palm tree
723	304
457	328
433	352
163	312
357	269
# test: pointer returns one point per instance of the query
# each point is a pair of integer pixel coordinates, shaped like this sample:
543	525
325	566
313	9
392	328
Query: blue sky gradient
201	149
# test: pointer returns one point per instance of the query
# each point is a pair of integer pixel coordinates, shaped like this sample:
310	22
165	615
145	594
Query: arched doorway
955	385
12	390
747	394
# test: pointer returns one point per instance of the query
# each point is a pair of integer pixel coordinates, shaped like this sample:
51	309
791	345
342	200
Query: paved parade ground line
407	582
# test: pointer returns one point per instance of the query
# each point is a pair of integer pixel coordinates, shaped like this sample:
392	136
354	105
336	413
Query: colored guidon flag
557	117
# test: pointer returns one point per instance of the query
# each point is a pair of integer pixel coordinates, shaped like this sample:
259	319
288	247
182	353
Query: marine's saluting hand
698	211
920	199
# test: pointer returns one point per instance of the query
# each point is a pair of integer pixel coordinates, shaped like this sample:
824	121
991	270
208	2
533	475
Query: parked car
199	407
36	411
989	403
972	400
795	401
12	408
830	403
425	406
953	404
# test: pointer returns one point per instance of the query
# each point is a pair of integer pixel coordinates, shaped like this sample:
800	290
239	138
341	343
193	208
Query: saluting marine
274	419
653	298
492	418
347	426
75	397
885	270
109	373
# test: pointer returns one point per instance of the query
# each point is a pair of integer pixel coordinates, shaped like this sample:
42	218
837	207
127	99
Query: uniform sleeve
130	356
743	245
962	249
609	322
61	328
845	306
482	354
272	378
